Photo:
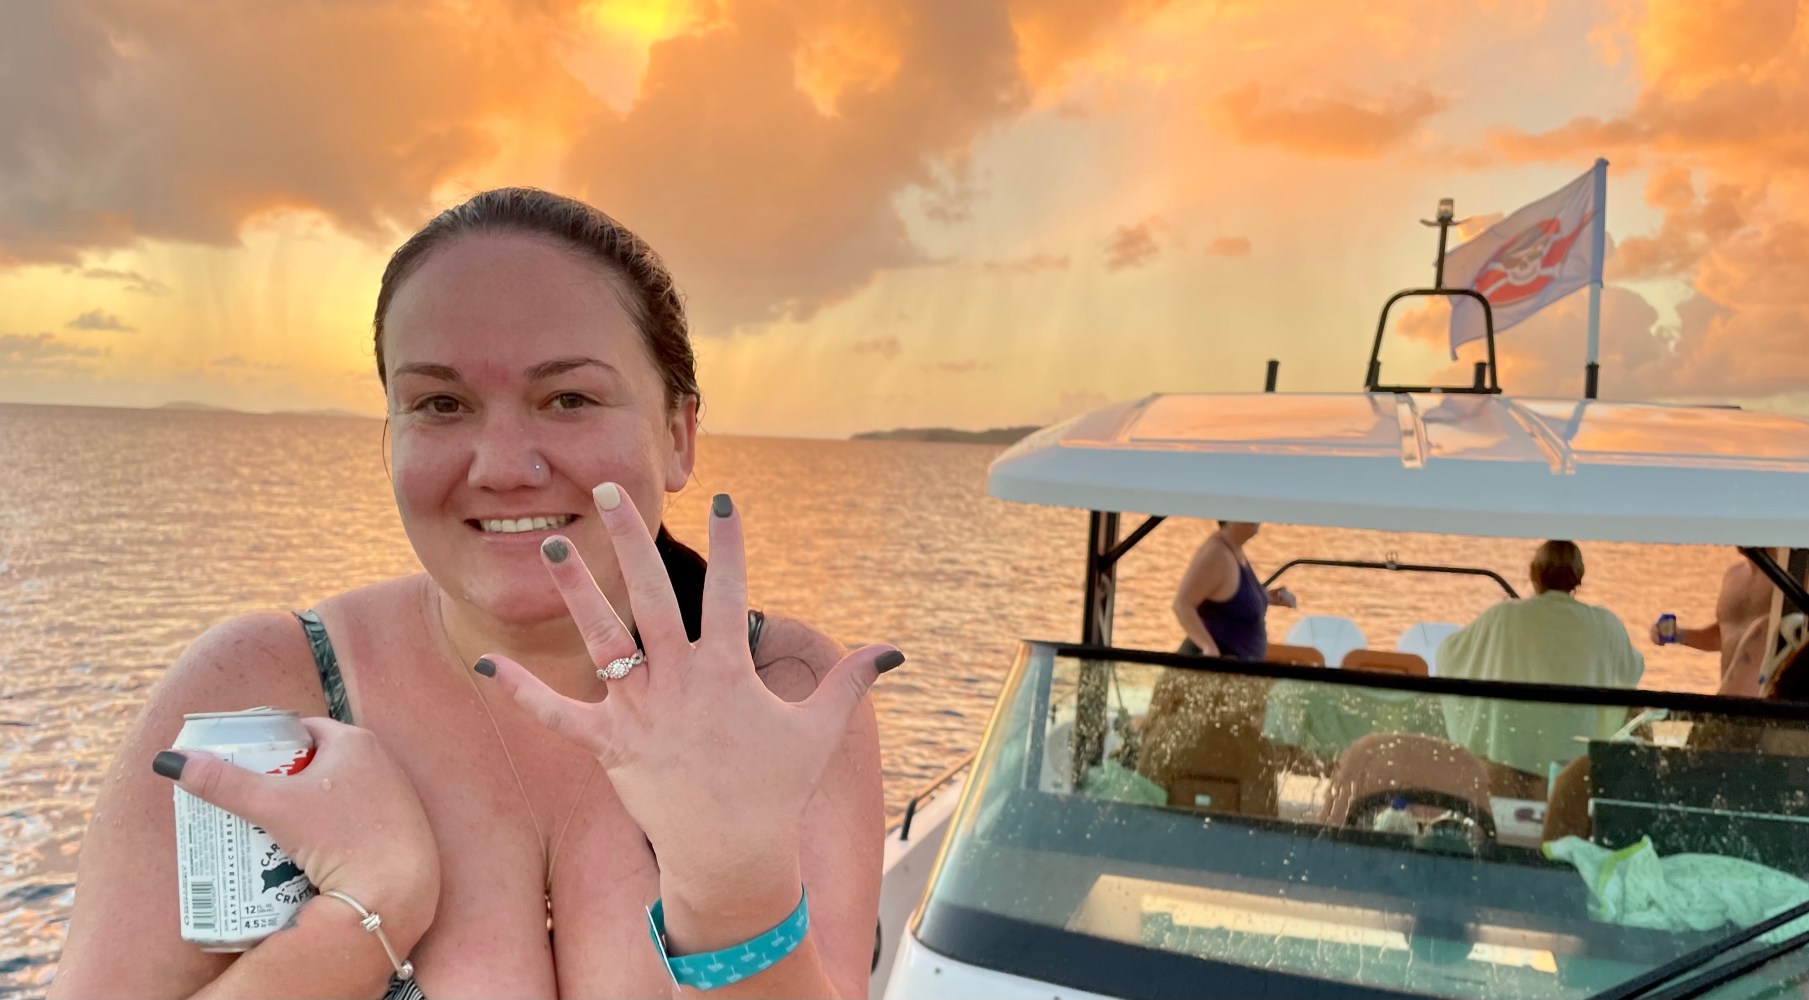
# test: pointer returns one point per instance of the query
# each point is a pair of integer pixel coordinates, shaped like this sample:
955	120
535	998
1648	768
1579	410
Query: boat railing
929	791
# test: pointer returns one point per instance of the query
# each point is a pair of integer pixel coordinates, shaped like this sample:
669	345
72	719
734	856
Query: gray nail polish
556	550
484	666
888	659
721	505
168	764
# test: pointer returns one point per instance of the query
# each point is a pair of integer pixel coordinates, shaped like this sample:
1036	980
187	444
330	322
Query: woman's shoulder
794	656
261	658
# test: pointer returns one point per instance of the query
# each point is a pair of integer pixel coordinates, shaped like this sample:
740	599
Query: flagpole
1599	240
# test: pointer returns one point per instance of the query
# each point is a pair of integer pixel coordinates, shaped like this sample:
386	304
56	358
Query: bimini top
1443	463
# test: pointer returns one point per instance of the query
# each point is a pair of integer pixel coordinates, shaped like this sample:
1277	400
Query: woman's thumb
214	781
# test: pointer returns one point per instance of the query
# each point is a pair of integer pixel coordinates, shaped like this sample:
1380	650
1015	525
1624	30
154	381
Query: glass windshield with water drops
1357	832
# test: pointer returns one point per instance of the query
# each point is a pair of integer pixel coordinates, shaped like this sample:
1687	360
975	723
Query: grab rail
904	828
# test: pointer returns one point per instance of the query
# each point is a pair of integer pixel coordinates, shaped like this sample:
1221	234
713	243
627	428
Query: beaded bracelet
736	962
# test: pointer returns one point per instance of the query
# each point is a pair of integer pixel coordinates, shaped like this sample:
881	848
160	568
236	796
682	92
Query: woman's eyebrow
444	373
559	366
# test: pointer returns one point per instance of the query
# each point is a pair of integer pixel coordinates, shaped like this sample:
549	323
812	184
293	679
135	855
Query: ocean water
124	534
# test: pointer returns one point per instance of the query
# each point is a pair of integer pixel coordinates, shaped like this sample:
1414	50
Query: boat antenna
1447	211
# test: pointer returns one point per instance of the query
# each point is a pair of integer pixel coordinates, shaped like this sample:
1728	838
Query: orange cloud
1133	245
966	366
1328	126
101	321
22	352
174	121
132	280
1228	246
1721	118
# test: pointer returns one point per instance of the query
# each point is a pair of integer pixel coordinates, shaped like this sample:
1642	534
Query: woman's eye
570	401
439	405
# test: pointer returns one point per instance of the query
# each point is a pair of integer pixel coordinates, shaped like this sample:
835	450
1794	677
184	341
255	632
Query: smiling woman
566	718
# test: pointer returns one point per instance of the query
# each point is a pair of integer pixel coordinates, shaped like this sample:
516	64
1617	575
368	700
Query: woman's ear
681	457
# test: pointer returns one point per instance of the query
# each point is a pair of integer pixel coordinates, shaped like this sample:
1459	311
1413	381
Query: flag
1530	259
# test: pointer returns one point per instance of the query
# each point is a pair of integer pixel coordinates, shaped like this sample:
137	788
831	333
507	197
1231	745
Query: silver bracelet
374	924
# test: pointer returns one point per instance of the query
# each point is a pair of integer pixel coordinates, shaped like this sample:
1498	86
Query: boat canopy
1479	464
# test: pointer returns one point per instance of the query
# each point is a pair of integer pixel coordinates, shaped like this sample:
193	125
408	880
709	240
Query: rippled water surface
124	534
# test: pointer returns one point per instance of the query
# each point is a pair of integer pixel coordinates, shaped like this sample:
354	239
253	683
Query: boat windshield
1149	825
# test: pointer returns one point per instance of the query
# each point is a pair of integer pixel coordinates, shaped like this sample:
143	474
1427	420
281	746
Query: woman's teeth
506	526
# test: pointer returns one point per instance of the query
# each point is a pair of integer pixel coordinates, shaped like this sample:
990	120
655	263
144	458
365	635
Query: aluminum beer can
236	885
1667	629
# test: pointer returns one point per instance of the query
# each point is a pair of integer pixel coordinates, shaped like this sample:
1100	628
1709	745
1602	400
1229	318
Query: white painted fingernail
607	496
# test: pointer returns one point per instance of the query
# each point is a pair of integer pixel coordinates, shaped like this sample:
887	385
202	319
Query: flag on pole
1530	259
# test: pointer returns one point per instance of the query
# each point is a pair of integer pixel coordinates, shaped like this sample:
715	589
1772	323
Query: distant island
946	435
205	407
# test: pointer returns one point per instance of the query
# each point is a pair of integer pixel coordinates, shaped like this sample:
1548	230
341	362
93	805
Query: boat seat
1203	743
1382	660
1422	640
1299	656
1332	635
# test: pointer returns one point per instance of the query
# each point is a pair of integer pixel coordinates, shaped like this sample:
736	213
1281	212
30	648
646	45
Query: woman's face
517	383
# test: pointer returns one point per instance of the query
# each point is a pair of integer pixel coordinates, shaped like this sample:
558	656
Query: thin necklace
549	854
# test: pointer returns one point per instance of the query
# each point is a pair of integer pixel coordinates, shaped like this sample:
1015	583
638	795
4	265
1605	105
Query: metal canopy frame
1486	381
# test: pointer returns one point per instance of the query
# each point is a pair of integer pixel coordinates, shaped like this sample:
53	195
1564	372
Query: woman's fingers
725	582
848	682
577	721
238	791
604	634
649	587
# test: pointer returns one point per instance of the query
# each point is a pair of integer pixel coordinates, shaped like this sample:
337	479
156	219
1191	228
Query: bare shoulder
263	656
795	656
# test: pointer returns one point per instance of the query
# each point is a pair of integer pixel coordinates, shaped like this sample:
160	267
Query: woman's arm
1212	574
124	936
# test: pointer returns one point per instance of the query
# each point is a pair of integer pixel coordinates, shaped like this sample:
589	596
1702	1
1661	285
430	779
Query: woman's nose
506	458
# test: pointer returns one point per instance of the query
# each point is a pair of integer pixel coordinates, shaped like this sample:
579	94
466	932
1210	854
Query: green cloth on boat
1112	780
1325	719
1634	887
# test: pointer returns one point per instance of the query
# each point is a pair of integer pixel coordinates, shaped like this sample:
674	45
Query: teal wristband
737	962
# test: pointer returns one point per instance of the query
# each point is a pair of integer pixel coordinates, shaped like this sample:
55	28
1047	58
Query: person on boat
1220	603
1567	810
563	720
1549	638
1741	612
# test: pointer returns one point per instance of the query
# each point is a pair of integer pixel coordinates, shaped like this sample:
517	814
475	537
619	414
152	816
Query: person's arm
1211	575
844	825
124	935
1706	638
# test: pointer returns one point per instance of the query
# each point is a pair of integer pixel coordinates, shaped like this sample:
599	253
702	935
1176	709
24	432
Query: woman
555	725
1220	603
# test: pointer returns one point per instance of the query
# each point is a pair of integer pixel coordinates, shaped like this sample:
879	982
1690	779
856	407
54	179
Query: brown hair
646	288
1557	566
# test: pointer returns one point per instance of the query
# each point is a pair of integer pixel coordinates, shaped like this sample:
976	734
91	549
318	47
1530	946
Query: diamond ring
618	668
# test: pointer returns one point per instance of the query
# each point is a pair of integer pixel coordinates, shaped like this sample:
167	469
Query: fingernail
484	666
721	505
607	496
556	550
168	764
888	659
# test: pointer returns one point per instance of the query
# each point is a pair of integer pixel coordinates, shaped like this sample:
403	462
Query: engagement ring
619	668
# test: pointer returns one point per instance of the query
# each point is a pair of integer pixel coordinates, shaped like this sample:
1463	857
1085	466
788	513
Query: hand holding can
347	819
1666	629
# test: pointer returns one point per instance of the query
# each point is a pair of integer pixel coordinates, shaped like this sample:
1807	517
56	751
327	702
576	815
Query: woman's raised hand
350	819
715	768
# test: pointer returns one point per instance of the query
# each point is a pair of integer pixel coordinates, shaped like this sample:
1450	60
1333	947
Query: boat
1146	824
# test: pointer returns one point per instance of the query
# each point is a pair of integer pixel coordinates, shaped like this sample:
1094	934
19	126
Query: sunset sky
893	213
